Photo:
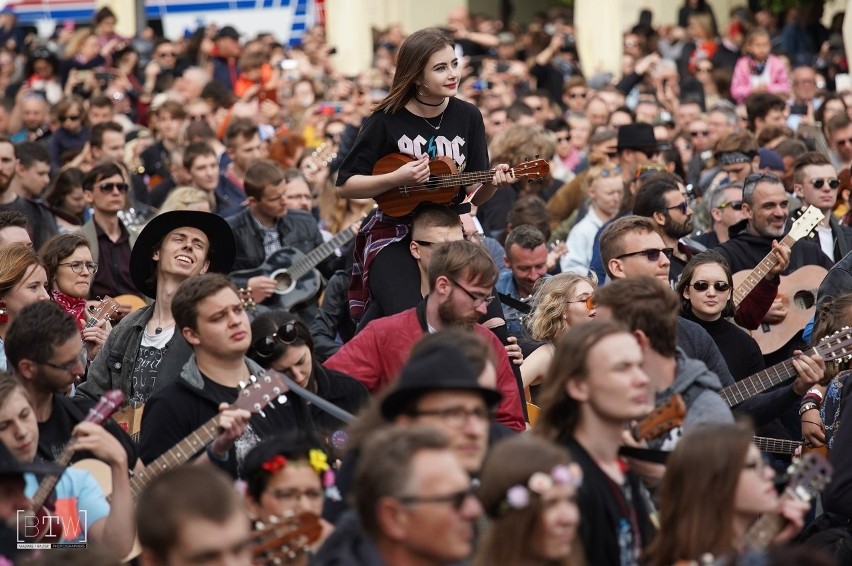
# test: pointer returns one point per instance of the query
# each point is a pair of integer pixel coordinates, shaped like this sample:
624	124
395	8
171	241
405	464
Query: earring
4	313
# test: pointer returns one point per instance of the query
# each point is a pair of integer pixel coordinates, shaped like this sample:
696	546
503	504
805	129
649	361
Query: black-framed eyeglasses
78	266
589	302
71	367
286	334
719	286
819	183
652	254
110	187
682	207
735	204
476	300
455	500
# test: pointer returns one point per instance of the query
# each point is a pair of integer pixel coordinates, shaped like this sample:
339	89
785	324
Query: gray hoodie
699	388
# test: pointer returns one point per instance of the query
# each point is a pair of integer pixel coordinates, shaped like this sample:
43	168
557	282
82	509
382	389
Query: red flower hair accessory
274	464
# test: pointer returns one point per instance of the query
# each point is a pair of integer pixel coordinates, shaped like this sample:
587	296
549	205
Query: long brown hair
707	461
413	55
831	317
560	413
511	535
15	262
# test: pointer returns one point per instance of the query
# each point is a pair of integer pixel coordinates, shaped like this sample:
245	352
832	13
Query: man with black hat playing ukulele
144	353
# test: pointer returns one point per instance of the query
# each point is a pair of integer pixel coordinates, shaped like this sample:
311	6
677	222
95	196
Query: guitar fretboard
776	445
45	487
760	382
178	455
759	272
304	265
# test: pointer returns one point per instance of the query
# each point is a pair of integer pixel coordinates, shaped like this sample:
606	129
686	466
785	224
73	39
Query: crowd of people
472	305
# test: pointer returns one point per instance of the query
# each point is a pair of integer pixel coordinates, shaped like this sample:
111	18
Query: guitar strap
329	408
521	307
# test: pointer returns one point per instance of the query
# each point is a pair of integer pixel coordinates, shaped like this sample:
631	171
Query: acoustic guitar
796	290
106	406
253	397
443	184
296	278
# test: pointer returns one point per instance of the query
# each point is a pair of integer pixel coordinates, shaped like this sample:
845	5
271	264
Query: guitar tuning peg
262	414
242	385
252	378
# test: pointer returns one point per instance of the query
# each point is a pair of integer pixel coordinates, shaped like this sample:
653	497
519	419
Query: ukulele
443	184
808	477
284	540
795	289
107	308
836	347
253	397
296	278
106	406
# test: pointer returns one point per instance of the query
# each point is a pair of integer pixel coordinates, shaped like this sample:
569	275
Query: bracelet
814	392
812	422
812	397
213	457
807	407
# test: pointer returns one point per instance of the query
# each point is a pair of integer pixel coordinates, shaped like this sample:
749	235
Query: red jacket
376	355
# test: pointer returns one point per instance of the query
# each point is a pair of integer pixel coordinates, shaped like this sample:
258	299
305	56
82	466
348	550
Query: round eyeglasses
286	334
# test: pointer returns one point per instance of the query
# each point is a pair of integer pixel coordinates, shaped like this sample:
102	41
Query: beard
677	230
449	316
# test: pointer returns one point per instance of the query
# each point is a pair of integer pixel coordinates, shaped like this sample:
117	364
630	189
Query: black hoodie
745	250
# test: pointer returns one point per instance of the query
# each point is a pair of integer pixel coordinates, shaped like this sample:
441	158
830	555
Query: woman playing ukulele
422	118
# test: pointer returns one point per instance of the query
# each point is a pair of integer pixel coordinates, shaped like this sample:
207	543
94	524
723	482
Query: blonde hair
519	143
182	198
547	321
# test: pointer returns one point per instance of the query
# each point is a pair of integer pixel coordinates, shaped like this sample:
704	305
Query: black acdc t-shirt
461	136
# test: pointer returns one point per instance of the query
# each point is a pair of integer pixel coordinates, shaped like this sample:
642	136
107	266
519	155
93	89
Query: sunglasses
110	187
702	133
563	139
681	207
755	178
589	302
611	171
820	183
70	118
651	254
286	334
720	286
736	205
577	95
649	168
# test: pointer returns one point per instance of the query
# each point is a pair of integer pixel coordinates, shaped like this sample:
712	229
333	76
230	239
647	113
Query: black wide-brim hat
220	254
440	368
639	136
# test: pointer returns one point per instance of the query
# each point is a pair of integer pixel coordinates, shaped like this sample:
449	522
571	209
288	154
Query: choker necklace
426	103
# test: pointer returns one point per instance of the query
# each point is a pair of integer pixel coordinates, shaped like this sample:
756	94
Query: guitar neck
48	483
318	254
760	382
759	272
776	445
178	455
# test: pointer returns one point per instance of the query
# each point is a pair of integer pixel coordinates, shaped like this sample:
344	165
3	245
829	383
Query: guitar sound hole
283	281
804	299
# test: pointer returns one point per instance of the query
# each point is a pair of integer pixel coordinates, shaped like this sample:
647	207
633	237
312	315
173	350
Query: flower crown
518	496
318	461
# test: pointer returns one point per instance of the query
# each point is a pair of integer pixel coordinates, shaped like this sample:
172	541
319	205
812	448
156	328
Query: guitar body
403	200
798	292
102	474
289	293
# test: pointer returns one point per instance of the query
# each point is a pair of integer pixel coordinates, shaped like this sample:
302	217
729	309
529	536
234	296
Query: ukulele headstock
108	404
808	476
246	299
283	540
535	170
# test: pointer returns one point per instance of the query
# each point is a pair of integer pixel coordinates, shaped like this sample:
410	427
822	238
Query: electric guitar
443	184
808	477
796	290
296	278
837	346
253	397
106	406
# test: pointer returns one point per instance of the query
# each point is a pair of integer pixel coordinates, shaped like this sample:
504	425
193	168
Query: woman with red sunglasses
706	289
